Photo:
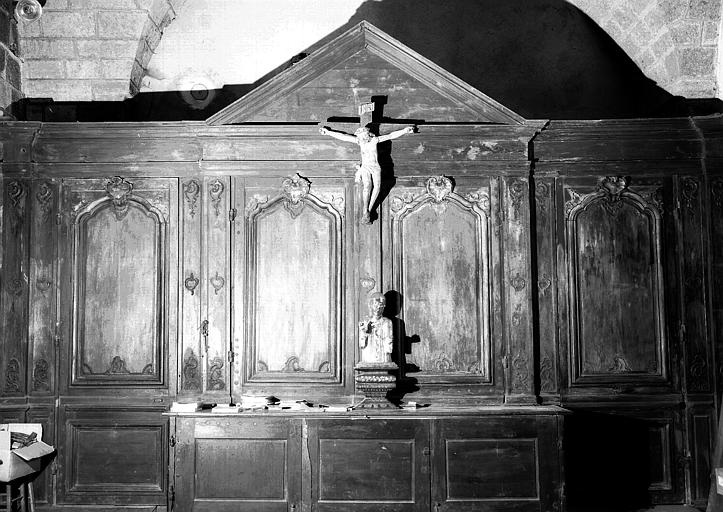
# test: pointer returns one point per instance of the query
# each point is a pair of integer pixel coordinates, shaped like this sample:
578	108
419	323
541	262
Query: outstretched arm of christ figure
396	134
337	135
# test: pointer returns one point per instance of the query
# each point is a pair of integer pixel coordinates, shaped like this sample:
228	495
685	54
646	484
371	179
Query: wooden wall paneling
694	328
17	141
65	285
715	221
238	285
15	287
112	455
497	463
519	355
191	288
121	148
45	415
546	290
648	142
225	464
122	239
369	465
43	288
216	277
638	450
372	75
439	249
701	433
453	145
183	476
295	261
368	273
13	413
563	287
497	283
2	226
614	236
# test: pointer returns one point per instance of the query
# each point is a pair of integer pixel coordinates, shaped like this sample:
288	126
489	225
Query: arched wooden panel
119	276
617	329
294	260
441	258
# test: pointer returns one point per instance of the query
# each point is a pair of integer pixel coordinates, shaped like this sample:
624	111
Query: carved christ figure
368	173
376	335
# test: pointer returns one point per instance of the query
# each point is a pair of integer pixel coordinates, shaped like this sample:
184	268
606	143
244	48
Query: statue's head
364	133
376	303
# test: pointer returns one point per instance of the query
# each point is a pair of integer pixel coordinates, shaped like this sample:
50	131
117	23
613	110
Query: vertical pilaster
14	282
518	288
42	287
190	289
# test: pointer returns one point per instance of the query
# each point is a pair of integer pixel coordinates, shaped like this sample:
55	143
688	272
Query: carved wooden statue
376	372
376	335
369	173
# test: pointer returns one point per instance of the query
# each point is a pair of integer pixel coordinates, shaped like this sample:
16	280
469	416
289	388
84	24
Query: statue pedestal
374	381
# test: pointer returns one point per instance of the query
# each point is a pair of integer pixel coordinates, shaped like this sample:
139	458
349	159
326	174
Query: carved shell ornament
609	188
295	189
118	190
439	187
613	187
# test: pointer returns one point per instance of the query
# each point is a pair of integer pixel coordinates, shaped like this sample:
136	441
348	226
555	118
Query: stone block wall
10	69
674	42
82	50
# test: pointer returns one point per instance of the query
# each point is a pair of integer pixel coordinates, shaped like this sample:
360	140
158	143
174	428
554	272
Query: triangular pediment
331	81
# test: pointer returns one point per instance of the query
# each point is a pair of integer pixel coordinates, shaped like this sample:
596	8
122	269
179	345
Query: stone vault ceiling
83	50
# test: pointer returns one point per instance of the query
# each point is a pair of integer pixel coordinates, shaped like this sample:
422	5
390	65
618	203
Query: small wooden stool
24	499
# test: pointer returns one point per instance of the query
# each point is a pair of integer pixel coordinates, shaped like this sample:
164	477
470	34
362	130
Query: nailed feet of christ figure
369	173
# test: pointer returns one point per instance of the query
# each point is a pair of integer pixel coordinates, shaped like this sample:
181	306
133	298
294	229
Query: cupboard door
190	344
441	260
206	216
293	267
614	235
497	463
112	455
249	464
215	274
118	248
639	452
369	465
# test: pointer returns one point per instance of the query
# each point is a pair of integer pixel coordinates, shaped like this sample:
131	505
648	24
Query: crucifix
369	173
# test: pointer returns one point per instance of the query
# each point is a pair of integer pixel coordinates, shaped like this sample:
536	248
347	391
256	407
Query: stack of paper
226	409
185	406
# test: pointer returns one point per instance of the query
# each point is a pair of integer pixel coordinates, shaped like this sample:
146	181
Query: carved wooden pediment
362	62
